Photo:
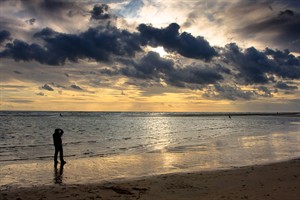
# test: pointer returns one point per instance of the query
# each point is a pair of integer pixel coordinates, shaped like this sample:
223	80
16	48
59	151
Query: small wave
25	146
44	157
295	123
182	149
13	160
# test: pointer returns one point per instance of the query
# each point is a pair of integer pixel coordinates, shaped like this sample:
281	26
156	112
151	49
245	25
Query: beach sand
272	181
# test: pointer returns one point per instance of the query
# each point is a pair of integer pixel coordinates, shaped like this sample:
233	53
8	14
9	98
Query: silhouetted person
229	116
58	146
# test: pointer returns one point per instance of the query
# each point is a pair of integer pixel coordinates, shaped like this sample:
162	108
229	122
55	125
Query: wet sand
273	181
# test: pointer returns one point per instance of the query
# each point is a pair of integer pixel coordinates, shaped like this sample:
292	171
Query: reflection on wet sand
215	154
58	174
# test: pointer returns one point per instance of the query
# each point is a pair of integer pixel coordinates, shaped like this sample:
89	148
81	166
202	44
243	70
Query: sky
150	55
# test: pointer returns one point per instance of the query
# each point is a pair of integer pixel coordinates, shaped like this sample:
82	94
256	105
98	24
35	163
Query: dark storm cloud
102	43
182	77
185	44
254	66
285	86
46	33
218	67
20	50
285	64
153	67
95	43
100	12
4	35
251	64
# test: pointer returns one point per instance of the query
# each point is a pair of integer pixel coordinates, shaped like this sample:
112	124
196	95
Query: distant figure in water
229	116
60	114
58	146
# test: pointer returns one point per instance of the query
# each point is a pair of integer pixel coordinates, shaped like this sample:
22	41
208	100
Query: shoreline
175	113
267	181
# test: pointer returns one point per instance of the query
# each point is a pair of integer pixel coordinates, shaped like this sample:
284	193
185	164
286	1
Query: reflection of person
58	146
58	174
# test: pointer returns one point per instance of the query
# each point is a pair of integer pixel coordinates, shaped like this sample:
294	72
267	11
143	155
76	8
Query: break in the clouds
219	50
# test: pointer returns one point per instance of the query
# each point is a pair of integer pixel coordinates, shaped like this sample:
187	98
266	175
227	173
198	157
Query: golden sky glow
150	55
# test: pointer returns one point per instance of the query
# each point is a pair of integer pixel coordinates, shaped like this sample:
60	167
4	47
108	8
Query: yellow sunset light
160	50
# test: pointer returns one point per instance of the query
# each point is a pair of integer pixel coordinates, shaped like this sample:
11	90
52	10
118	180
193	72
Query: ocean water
125	144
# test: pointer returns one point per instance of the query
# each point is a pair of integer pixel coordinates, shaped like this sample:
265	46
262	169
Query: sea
103	146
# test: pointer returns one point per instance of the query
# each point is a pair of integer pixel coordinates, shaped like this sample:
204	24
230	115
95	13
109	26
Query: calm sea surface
166	141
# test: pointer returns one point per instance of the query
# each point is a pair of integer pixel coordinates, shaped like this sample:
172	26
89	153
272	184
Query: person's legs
61	156
55	156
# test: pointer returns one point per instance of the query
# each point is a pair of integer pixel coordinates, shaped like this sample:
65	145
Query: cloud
285	28
100	12
21	101
156	68
31	21
151	66
57	85
285	86
228	92
76	87
40	94
4	35
17	72
218	72
47	87
251	64
198	75
47	8
255	67
286	13
278	27
95	43
185	44
285	64
101	44
266	91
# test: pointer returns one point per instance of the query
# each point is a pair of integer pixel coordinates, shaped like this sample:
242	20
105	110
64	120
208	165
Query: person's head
58	131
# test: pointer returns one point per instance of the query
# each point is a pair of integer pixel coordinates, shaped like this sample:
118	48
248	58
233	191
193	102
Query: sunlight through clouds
149	55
